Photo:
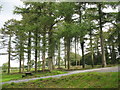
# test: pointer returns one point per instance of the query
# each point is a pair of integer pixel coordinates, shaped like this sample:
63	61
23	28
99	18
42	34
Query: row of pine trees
46	27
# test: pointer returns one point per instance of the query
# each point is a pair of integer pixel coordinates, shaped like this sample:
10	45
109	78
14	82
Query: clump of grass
12	83
57	72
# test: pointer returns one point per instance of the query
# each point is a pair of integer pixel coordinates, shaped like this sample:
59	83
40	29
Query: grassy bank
6	77
81	80
17	76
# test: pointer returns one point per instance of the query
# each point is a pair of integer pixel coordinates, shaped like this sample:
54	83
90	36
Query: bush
4	71
4	67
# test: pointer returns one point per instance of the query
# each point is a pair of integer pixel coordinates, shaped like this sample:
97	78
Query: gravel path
107	69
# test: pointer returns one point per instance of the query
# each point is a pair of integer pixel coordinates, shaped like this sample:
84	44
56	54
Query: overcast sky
7	10
7	13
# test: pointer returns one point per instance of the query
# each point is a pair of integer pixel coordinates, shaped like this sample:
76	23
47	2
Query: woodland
48	31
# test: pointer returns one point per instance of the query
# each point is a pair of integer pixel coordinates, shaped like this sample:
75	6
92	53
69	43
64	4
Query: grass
17	76
6	77
81	80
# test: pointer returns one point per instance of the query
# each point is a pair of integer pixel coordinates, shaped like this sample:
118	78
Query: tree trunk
43	64
21	55
68	52
119	48
20	65
98	52
44	49
39	51
29	50
78	50
83	60
9	54
110	54
50	49
65	52
53	59
113	55
59	54
75	51
23	64
119	41
101	37
118	21
91	48
80	18
36	44
106	53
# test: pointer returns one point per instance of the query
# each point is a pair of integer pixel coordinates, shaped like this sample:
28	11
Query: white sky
7	13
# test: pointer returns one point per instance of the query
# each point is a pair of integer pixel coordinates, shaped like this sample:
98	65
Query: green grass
6	77
16	76
81	80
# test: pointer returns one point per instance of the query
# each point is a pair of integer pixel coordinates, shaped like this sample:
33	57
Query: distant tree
8	30
88	59
31	64
73	59
5	67
19	42
39	64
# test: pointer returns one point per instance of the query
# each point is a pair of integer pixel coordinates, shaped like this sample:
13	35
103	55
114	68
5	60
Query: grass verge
81	80
6	77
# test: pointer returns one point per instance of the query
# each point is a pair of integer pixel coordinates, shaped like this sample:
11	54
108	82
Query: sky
7	10
7	13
